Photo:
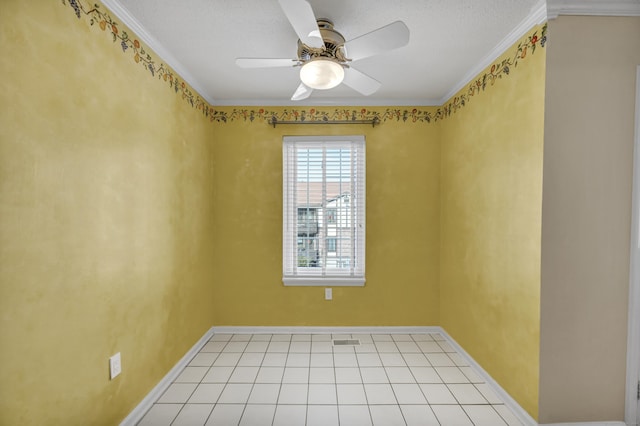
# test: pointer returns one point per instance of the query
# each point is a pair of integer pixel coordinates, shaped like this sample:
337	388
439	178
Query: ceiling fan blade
302	92
300	15
264	62
383	39
360	82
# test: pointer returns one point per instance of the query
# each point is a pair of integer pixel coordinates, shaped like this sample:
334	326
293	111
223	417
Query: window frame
292	273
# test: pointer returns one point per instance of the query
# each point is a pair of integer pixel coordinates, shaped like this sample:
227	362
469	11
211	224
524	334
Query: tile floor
297	380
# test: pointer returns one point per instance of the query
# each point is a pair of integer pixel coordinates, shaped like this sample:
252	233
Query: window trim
331	276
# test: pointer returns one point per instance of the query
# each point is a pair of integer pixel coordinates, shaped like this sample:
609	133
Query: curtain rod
274	121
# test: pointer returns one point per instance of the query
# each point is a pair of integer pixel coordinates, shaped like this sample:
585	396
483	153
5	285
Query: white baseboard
586	424
138	413
323	330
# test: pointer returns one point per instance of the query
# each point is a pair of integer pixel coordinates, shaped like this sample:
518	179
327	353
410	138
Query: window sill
323	281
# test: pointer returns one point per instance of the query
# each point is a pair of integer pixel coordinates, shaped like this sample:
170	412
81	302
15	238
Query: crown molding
127	19
593	8
537	16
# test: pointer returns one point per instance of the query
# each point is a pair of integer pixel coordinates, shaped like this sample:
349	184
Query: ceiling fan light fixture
322	74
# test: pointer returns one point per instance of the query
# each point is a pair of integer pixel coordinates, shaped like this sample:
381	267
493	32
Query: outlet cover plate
328	294
115	366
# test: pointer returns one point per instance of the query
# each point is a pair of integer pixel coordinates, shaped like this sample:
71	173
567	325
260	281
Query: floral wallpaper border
96	16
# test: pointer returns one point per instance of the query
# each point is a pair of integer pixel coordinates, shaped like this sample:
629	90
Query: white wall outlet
115	366
328	294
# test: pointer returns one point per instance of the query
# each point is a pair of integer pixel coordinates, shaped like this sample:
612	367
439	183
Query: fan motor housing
333	44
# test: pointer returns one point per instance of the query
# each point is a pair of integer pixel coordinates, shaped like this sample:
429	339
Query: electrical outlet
115	366
328	294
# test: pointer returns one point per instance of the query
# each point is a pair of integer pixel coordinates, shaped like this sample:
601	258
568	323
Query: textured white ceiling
449	38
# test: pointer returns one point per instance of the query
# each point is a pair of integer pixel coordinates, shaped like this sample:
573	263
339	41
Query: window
324	210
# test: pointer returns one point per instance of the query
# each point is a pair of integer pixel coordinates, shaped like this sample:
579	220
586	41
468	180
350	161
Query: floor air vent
346	342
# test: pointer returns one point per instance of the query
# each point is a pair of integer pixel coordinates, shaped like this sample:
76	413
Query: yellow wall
107	220
490	224
586	217
402	228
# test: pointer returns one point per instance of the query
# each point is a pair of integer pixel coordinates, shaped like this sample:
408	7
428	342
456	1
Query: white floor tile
301	338
430	347
483	415
293	394
235	393
451	375
234	347
399	375
392	360
507	415
402	338
488	393
241	338
381	338
281	338
178	393
451	415
344	350
160	415
466	393
192	375
419	415
264	393
258	415
225	415
213	347
458	360
408	393
261	338
227	359
348	375
374	375
368	360
354	415
351	394
440	359
379	394
408	347
323	394
437	394
321	360
206	393
244	375
300	347
295	375
471	375
270	375
251	359
416	360
298	360
321	347
257	346
446	346
425	375
366	348
278	346
321	375
221	337
218	375
193	414
290	415
274	360
387	347
386	415
364	338
421	337
322	415
320	337
203	359
345	360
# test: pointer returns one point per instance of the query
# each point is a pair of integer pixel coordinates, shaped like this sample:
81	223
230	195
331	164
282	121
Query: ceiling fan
324	56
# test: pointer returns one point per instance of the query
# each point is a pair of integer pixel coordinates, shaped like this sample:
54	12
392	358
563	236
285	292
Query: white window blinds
324	210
